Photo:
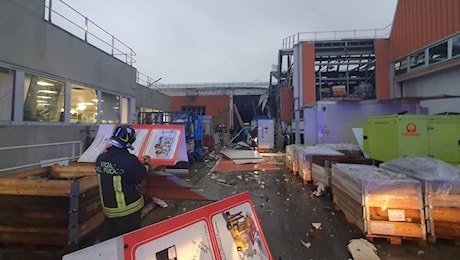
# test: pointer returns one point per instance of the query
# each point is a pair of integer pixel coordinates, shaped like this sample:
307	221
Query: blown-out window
438	53
456	46
417	59
400	67
43	99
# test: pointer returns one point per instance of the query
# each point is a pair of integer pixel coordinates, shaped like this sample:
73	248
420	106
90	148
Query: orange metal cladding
286	104
382	73
418	23
216	106
308	73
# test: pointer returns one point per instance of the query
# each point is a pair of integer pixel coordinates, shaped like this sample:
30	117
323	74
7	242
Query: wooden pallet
397	240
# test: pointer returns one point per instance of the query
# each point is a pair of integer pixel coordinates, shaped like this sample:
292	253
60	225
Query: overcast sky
198	41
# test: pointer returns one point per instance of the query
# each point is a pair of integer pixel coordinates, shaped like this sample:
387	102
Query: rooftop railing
294	39
66	17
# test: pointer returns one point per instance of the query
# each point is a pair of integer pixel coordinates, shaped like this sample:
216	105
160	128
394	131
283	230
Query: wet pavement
287	210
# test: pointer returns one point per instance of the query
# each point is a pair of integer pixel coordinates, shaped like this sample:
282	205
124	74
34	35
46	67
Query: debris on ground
160	202
319	190
316	225
361	249
307	245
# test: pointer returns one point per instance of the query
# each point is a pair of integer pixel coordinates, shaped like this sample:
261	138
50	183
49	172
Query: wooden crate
48	207
379	202
443	216
321	166
441	193
290	150
306	158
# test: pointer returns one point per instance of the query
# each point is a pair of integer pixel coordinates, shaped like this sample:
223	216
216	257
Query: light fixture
81	106
47	91
44	97
44	83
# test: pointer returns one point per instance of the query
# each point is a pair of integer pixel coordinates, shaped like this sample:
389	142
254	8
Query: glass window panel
124	110
456	46
43	99
199	110
438	53
6	93
400	67
417	59
110	109
83	106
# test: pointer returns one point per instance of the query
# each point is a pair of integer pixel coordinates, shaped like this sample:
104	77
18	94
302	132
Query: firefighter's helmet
123	137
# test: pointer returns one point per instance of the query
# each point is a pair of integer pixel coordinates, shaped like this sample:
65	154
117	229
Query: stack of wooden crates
306	157
55	206
441	193
292	162
381	203
321	167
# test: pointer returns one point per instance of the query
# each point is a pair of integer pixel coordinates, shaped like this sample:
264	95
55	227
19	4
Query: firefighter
119	175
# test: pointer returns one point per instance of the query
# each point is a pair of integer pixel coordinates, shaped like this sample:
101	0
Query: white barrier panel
99	144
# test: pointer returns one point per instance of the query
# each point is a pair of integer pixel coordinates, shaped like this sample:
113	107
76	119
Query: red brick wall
216	106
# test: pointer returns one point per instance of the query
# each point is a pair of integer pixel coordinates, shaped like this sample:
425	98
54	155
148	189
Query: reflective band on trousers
122	209
121	212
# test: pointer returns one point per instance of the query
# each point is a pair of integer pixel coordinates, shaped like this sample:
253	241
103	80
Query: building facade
415	60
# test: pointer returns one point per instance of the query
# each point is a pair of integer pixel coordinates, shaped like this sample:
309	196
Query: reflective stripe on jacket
119	174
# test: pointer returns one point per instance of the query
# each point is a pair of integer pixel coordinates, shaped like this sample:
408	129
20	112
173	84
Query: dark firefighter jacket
119	174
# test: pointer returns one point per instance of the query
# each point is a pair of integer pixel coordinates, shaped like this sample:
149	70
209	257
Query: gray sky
196	41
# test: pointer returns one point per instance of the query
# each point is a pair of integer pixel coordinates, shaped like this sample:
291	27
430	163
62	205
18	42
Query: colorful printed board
227	229
163	144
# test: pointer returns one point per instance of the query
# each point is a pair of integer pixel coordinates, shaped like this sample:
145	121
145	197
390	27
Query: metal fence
73	152
66	17
294	39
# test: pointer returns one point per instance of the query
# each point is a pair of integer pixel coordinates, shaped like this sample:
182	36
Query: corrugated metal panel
287	104
308	73
419	23
382	70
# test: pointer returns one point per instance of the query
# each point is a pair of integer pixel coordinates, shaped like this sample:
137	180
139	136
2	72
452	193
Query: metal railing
66	17
294	39
71	156
145	80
